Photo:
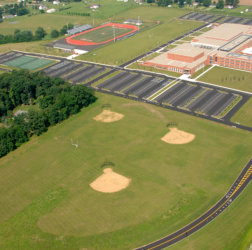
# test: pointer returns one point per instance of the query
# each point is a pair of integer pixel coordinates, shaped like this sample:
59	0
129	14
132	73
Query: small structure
78	29
8	16
56	2
133	21
94	6
50	11
64	47
42	7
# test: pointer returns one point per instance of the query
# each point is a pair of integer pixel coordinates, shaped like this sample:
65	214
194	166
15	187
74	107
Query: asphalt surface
240	183
142	85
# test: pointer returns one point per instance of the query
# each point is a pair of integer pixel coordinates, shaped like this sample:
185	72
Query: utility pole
138	23
114	31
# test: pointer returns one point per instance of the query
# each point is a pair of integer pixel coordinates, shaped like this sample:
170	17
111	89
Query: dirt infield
110	182
108	116
176	136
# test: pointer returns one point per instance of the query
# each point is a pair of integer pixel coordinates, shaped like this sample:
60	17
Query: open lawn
47	21
124	50
36	47
47	202
230	78
107	8
231	230
152	69
244	115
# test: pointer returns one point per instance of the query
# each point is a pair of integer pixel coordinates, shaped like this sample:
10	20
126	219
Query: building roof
186	49
164	60
221	34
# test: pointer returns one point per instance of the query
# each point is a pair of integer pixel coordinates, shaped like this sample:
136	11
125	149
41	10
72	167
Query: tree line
13	9
28	36
56	100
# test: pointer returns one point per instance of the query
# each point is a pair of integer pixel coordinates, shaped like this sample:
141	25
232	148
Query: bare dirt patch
110	182
176	136
108	116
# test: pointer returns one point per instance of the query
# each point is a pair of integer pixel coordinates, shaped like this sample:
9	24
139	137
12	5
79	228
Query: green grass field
29	62
232	230
103	34
244	115
47	21
127	49
230	78
44	185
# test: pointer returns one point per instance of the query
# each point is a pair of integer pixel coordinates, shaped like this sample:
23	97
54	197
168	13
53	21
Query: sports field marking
110	182
108	116
176	136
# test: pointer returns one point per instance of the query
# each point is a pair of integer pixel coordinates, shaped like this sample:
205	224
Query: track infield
102	34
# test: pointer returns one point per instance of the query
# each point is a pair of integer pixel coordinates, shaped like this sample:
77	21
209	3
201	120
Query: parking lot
199	17
198	98
238	20
134	84
72	71
195	98
184	95
209	18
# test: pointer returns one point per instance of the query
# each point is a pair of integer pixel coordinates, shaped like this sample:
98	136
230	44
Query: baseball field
118	175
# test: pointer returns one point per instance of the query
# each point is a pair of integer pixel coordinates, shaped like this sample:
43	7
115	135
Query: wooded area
56	99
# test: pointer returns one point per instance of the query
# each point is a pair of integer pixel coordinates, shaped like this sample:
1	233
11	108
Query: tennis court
28	62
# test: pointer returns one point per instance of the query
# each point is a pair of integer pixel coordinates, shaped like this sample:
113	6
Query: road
240	183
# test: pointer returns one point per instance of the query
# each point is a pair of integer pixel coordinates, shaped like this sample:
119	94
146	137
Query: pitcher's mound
108	116
110	182
176	136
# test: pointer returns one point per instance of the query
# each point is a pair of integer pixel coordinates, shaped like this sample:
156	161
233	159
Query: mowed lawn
231	230
230	78
129	48
47	202
244	115
47	21
121	51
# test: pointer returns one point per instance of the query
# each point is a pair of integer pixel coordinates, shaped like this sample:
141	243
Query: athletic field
28	62
48	203
102	34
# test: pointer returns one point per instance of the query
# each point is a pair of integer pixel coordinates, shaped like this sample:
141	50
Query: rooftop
186	49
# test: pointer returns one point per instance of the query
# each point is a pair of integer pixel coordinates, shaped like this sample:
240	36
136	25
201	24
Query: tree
54	33
206	3
181	3
220	4
189	2
40	33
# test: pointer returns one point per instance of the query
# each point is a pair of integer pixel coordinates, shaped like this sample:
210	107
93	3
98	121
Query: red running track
72	41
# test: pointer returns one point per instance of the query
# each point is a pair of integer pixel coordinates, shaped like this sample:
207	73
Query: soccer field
103	34
47	201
